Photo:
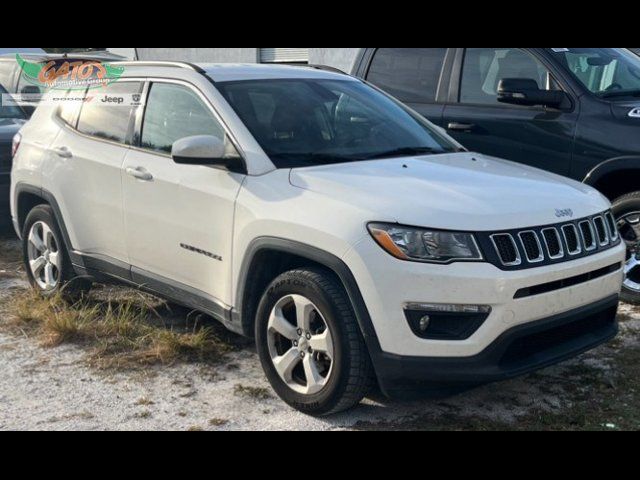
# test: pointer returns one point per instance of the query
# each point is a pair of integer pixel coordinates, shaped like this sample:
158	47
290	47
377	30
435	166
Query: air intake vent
613	227
601	231
571	238
588	235
532	247
553	243
507	249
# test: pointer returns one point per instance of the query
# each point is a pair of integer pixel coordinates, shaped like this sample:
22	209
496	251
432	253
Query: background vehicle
306	209
572	111
11	120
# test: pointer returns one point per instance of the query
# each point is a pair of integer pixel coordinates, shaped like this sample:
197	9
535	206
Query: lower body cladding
471	323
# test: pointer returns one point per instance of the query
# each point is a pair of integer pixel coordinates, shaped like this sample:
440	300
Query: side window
7	73
174	112
107	113
70	103
483	69
409	74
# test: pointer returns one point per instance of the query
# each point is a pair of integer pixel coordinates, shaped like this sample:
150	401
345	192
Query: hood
9	127
460	191
628	111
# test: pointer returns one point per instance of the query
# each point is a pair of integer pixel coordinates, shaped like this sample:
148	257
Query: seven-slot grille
553	243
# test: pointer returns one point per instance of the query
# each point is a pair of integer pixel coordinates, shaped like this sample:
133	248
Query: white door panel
179	224
89	191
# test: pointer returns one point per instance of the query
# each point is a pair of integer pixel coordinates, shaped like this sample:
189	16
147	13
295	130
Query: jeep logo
567	212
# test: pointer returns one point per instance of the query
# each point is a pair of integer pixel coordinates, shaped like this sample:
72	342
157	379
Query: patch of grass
195	428
127	333
144	402
257	393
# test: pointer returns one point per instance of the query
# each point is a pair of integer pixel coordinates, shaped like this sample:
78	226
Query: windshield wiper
619	93
405	151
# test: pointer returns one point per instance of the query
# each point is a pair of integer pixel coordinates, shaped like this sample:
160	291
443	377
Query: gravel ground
55	389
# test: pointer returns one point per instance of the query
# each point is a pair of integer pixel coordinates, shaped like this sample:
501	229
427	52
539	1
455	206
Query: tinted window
9	111
71	101
174	112
607	72
7	71
109	120
484	68
409	74
305	122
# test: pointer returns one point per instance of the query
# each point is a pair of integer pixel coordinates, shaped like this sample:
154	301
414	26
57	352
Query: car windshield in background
608	72
307	122
9	111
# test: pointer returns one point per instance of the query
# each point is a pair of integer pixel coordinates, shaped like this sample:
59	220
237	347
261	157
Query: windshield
306	122
9	111
607	72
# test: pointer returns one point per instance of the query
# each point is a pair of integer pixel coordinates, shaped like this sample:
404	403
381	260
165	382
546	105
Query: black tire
622	207
69	285
352	376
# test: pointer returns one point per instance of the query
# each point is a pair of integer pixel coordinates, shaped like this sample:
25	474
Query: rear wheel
310	344
46	260
626	210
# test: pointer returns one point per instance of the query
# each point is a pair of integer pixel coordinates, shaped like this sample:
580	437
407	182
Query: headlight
424	245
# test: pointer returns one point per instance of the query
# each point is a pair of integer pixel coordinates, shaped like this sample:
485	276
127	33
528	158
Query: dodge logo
566	212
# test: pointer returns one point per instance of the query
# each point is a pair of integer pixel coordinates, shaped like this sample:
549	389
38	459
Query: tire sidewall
329	396
621	206
45	215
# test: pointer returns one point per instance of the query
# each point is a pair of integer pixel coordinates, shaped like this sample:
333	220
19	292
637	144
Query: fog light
424	323
445	321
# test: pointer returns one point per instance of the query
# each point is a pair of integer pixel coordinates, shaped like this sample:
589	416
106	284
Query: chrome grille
528	248
588	235
601	231
507	249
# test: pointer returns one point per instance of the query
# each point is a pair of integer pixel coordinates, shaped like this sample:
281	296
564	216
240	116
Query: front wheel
626	210
310	345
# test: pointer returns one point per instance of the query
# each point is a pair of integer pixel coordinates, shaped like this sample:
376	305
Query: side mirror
525	91
199	150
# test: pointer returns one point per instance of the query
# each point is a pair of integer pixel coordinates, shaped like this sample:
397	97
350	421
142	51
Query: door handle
140	173
62	152
460	127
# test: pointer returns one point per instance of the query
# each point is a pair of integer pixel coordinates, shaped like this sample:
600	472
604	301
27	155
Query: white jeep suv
353	239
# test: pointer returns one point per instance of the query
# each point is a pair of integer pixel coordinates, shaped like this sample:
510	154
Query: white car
354	240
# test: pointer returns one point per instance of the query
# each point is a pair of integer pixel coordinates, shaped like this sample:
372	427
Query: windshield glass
9	111
306	122
607	72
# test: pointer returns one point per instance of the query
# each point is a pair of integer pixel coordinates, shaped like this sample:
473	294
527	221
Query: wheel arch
268	257
616	177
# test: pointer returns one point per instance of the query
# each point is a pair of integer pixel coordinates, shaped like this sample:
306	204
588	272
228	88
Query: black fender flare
629	162
48	197
315	255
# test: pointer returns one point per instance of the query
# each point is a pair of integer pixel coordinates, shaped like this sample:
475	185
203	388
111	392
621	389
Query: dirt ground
57	388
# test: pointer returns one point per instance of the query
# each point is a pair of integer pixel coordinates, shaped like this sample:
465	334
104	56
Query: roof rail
148	63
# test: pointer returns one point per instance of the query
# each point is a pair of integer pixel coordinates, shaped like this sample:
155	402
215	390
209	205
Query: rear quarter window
109	120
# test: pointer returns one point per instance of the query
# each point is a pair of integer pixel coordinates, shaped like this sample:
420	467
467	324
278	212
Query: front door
179	218
535	136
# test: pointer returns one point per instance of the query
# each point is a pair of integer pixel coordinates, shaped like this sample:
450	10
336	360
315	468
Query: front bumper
517	351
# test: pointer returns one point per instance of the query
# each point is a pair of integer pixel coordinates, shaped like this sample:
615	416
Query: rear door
414	76
536	136
85	173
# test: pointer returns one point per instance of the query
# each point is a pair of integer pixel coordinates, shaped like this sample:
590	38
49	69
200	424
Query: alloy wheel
44	256
300	344
629	226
